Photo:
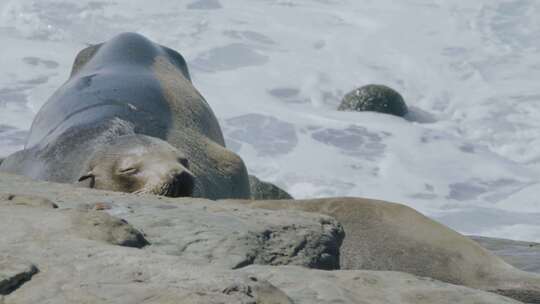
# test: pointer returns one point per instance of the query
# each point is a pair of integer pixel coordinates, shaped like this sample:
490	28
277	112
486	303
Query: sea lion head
139	164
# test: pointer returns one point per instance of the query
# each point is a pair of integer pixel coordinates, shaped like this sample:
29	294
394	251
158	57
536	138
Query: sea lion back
131	78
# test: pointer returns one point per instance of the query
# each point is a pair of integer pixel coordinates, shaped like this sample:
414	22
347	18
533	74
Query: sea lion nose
182	184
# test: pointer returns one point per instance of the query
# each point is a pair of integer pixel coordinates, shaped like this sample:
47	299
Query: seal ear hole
87	180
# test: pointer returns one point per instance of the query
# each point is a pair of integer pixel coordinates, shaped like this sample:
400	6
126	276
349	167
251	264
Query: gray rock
362	286
100	226
129	277
206	232
199	231
90	267
26	200
522	255
14	273
261	190
78	270
376	98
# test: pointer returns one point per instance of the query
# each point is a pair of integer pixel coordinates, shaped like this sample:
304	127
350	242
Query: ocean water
274	72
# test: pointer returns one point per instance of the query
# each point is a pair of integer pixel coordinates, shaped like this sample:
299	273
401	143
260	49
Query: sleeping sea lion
387	236
129	119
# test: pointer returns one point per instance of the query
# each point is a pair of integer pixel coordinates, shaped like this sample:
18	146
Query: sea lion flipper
86	181
83	57
179	61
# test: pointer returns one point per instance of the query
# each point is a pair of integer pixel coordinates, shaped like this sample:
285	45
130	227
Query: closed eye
128	171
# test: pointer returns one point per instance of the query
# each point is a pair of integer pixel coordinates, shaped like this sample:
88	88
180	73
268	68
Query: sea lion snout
180	185
169	177
142	165
161	177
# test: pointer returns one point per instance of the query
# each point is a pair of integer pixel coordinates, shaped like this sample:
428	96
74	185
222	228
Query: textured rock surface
100	226
81	251
200	231
128	277
362	286
26	200
261	190
376	98
523	255
387	236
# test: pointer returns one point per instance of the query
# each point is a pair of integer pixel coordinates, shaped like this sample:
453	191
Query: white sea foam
274	72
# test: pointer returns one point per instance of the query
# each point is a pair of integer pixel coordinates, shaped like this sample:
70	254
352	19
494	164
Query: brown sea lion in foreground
387	236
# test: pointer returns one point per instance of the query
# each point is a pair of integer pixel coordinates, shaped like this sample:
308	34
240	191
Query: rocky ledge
62	244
